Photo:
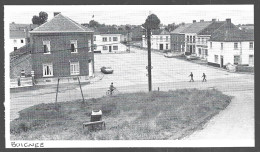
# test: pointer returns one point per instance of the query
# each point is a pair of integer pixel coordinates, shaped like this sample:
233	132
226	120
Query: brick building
58	48
178	38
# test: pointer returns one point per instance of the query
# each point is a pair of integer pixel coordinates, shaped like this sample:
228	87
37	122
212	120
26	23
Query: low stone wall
46	81
21	82
248	69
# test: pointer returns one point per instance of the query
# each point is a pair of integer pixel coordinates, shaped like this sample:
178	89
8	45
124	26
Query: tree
42	18
152	22
93	23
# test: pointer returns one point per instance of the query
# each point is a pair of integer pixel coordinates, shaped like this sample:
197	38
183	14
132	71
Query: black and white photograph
91	76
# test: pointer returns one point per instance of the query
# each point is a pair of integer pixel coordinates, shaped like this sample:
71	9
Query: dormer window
73	46
46	47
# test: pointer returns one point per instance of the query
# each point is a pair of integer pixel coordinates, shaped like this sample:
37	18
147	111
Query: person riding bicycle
111	88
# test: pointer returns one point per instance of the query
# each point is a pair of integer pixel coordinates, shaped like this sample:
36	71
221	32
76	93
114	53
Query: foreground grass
132	116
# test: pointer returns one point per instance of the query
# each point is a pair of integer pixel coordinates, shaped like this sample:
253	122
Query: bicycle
109	93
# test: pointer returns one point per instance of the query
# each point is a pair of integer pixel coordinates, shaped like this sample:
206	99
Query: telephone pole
149	68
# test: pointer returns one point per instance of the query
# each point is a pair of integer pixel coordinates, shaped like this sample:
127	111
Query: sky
133	14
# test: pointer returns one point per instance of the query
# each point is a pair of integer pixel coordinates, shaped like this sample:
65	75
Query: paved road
236	122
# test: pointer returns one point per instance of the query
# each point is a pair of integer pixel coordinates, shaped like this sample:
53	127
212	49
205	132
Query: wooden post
81	91
57	94
149	59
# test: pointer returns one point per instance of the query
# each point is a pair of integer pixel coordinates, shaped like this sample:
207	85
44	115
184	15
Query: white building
160	40
108	40
230	45
19	35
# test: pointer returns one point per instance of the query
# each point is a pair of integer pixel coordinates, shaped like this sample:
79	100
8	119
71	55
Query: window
198	39
167	46
104	39
74	68
206	52
73	46
94	38
15	48
187	38
21	41
104	47
193	39
166	38
109	38
210	44
46	47
236	59
115	47
114	38
235	45
161	38
251	60
216	58
199	51
47	69
221	46
251	45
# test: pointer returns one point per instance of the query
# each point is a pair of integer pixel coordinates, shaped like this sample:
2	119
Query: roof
60	24
180	28
19	30
14	34
211	28
160	32
22	50
228	32
197	27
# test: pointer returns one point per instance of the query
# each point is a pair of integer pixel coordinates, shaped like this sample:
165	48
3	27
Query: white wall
229	52
18	44
100	43
156	40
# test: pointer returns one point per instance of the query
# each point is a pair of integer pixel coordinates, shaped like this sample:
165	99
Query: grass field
132	116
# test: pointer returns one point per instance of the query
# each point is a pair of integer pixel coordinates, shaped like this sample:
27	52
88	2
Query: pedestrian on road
191	77
204	77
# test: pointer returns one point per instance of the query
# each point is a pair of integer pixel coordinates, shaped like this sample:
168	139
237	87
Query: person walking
204	77
191	77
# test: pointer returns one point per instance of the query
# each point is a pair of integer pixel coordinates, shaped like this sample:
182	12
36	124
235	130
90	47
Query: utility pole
149	68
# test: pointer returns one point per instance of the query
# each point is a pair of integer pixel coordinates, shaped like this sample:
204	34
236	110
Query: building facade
60	48
230	45
178	39
160	40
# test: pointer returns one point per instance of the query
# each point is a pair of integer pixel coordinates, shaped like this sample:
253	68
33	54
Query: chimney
56	13
228	20
201	20
213	20
194	21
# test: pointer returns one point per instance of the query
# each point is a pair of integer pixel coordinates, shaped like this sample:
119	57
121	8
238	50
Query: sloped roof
228	32
211	28
22	50
197	27
180	28
60	24
17	34
160	32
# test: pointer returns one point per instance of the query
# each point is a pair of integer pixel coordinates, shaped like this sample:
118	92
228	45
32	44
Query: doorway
161	46
221	61
110	48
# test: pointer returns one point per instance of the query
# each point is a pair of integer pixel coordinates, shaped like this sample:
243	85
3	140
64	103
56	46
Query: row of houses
218	42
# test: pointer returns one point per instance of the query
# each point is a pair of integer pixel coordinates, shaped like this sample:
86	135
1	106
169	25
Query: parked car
106	70
192	57
168	55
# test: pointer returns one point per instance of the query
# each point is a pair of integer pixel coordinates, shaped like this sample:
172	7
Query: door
161	46
110	48
221	61
251	60
190	49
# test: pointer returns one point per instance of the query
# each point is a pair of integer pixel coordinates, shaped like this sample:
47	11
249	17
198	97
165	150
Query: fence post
81	91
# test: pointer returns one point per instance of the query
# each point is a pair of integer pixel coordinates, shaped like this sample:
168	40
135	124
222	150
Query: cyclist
111	88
